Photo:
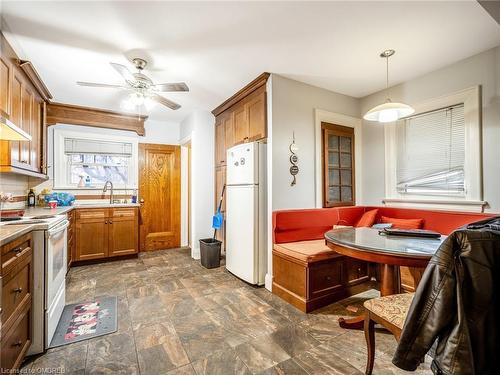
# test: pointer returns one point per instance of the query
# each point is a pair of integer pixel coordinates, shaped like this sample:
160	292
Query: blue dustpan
217	220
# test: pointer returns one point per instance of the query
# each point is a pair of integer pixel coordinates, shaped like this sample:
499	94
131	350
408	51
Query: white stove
49	275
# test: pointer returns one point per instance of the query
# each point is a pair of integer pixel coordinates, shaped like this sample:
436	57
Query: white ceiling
219	47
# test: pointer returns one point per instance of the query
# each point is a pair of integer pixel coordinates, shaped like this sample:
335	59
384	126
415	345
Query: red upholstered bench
309	275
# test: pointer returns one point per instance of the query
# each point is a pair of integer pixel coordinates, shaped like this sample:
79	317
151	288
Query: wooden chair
390	312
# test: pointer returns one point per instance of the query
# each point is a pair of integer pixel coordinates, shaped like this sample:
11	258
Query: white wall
198	128
482	69
293	107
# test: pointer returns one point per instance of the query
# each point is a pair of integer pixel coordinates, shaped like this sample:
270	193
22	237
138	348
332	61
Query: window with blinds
431	153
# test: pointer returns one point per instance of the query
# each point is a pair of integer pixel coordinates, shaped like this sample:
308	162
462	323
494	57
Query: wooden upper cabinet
257	109
220	143
5	85
241	129
22	101
228	130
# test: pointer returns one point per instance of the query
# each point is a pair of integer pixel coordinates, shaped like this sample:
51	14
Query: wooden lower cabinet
15	316
123	232
108	232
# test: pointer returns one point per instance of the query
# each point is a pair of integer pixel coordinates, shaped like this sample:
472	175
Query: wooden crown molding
252	86
35	79
58	113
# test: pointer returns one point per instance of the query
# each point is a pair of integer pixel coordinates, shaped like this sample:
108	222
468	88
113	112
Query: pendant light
388	111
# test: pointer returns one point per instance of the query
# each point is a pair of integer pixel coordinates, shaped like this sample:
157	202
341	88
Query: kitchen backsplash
19	185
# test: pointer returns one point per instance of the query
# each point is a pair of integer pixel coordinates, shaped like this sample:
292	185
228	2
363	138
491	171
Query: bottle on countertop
134	196
87	181
31	198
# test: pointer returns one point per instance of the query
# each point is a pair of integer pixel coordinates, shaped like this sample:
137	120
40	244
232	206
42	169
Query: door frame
186	202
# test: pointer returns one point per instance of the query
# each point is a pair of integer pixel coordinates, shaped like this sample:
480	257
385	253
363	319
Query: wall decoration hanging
294	159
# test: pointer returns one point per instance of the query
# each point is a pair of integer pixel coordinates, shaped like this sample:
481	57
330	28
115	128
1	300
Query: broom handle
220	205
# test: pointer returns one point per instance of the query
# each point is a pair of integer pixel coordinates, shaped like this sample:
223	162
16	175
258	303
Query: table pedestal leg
389	284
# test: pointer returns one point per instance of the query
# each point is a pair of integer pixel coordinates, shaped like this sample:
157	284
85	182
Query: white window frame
473	198
61	160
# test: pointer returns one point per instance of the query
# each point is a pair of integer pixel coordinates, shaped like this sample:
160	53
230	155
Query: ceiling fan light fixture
388	111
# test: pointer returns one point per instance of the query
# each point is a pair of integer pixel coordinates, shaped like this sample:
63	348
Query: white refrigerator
246	212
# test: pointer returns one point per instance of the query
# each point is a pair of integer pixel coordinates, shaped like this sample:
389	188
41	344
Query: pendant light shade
388	111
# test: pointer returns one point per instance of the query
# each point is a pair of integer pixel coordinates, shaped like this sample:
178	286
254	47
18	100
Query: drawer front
14	251
16	342
91	214
325	278
356	271
16	291
124	212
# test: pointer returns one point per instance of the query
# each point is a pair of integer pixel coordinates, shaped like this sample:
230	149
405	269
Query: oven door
55	261
55	277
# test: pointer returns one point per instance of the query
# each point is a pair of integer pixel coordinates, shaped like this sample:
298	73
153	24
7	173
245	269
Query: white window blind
90	146
431	153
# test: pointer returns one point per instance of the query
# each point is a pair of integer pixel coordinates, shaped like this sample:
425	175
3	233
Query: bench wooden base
311	285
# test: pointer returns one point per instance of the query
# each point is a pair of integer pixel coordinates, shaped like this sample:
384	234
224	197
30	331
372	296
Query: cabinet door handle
328	278
17	250
105	222
110	222
17	290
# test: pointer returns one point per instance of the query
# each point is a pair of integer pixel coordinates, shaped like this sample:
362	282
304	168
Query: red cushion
403	223
368	219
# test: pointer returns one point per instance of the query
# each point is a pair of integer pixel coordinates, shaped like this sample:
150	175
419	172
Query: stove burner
11	218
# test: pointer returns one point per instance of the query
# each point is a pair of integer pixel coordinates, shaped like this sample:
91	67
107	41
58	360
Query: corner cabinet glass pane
345	144
346	193
345	160
333	159
338	165
334	177
346	177
334	194
333	142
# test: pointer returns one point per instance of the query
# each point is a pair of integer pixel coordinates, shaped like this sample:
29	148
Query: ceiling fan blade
168	103
123	71
171	87
91	84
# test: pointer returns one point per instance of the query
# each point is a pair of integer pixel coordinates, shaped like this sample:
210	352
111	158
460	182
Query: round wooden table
390	252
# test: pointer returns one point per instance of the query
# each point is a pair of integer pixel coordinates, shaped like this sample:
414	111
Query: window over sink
81	155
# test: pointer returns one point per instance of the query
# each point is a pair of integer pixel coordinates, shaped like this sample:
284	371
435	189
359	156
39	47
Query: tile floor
175	317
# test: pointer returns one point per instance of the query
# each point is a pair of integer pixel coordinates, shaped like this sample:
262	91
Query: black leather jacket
457	303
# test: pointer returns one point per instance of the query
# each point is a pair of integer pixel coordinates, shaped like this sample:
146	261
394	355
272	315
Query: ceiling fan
142	87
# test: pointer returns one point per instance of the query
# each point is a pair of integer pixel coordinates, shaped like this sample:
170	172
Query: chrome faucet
111	190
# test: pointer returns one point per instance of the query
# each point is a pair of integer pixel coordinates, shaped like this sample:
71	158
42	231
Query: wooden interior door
160	196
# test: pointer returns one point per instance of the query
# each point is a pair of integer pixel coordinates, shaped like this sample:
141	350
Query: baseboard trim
268	282
195	253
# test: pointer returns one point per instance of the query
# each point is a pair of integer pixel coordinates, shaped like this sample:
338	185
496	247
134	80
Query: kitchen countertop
9	233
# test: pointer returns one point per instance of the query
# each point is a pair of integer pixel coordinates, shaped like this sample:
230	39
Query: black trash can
210	252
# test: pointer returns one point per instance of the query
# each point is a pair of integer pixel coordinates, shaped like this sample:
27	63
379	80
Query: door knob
141	201
17	290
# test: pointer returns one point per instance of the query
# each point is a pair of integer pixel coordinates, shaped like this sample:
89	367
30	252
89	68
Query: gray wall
482	69
293	105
